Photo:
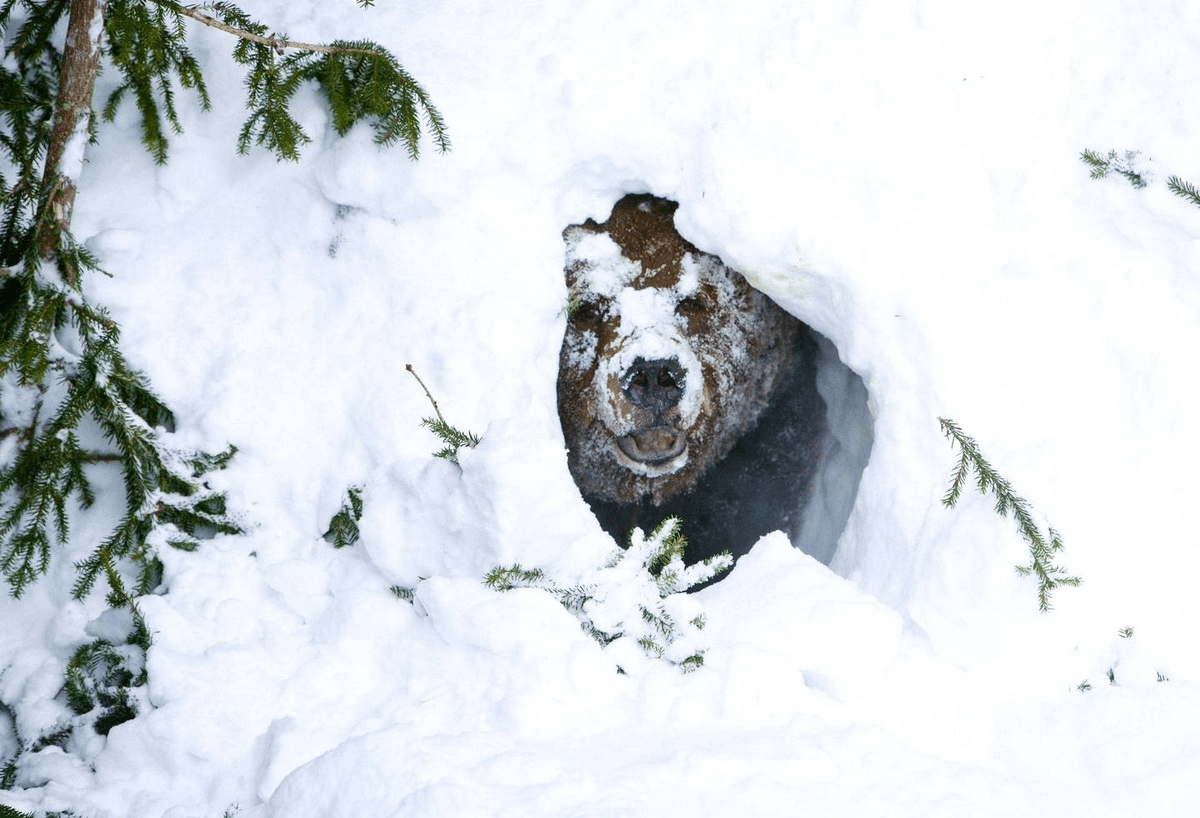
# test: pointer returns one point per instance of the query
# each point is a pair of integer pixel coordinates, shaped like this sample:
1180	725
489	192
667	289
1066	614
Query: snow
904	177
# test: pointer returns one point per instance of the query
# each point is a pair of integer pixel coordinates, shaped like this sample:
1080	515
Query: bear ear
647	203
574	232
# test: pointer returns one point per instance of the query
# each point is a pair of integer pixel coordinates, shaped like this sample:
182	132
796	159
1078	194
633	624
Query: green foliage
1122	165
361	82
343	528
572	598
72	408
8	774
63	375
1184	189
103	685
637	596
100	682
1042	547
147	43
453	437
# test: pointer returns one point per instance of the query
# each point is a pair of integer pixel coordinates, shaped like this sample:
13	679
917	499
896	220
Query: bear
682	390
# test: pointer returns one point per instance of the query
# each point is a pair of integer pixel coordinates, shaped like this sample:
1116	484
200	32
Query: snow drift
904	179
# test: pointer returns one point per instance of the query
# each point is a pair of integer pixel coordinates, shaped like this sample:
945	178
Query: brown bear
672	364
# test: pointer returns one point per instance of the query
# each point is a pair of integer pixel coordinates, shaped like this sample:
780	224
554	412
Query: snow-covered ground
904	177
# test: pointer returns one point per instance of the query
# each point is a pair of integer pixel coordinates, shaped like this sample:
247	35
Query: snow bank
903	178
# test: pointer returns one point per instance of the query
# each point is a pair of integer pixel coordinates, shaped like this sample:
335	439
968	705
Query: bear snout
655	386
657	446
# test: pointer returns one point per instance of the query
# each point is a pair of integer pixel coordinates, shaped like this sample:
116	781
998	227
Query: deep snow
903	177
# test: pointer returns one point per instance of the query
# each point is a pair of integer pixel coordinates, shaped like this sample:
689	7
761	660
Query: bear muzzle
654	446
655	387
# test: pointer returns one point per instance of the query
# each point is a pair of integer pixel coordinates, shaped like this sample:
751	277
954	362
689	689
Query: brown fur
669	356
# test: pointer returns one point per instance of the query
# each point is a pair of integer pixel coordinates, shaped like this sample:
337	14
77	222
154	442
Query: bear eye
587	312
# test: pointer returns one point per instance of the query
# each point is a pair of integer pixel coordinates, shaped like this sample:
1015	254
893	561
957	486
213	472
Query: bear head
669	356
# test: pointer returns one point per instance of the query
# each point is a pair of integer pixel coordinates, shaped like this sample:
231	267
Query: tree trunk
72	118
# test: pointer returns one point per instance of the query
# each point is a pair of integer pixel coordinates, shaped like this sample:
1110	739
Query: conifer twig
427	393
1184	189
275	42
1042	548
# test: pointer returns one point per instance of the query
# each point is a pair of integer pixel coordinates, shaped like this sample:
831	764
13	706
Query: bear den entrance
794	466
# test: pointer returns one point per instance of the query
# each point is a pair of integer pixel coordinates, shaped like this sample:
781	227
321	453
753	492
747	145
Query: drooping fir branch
146	41
1042	547
60	361
48	393
360	79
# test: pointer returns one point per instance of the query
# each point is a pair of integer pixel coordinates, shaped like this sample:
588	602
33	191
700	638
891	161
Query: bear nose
654	385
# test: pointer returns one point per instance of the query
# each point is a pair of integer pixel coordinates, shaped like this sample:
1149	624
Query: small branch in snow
427	393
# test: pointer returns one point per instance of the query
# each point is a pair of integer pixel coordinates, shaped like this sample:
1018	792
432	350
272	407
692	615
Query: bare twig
277	43
427	394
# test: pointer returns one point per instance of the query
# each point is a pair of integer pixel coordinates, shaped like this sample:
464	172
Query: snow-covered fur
669	356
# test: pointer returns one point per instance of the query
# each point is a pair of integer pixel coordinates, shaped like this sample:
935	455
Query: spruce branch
343	527
361	81
1184	189
638	594
453	437
148	46
1123	165
1042	548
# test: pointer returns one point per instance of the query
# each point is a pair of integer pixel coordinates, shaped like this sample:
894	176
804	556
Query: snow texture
901	176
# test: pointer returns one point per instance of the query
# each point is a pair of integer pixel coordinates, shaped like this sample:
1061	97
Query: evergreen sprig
1184	189
361	80
1122	165
1112	163
1042	547
103	685
100	680
638	594
343	527
453	437
61	369
147	43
